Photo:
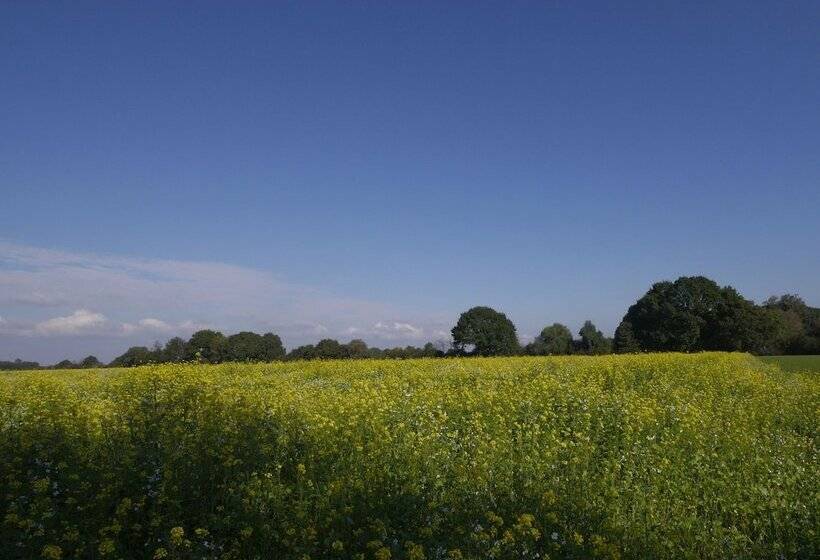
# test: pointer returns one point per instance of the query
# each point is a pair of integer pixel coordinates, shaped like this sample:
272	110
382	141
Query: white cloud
144	299
148	324
81	321
158	326
391	330
155	324
192	326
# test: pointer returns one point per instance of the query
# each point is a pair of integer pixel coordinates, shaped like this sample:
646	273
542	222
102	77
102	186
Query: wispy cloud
396	329
399	331
45	292
81	321
158	326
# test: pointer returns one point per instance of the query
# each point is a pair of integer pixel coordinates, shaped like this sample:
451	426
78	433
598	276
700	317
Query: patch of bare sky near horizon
53	296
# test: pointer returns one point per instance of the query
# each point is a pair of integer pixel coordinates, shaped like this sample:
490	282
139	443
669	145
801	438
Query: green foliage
207	346
625	342
244	347
175	350
357	348
328	349
90	362
797	326
554	340
482	331
305	352
593	341
695	314
638	456
18	364
134	356
272	348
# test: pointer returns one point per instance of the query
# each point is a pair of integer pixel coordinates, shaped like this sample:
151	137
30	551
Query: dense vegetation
691	314
17	364
641	456
695	314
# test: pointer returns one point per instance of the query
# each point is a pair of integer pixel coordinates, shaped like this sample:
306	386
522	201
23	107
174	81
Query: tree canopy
207	346
483	331
593	341
555	339
694	313
625	341
796	325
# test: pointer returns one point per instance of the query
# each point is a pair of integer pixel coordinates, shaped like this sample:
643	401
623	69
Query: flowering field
649	456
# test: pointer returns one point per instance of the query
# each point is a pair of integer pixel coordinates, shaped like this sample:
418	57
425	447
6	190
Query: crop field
795	363
645	456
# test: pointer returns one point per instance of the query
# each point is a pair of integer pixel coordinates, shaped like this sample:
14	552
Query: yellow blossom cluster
645	456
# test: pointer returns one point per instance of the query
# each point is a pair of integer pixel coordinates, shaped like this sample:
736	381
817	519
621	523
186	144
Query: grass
795	363
644	456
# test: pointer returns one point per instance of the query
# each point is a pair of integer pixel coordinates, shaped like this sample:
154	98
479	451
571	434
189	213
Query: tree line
691	314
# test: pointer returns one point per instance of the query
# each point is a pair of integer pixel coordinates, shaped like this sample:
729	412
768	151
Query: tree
156	353
306	352
244	346
798	325
625	342
431	351
555	339
692	314
65	364
90	362
483	331
18	364
329	348
206	346
739	325
134	356
593	341
356	348
175	350
272	348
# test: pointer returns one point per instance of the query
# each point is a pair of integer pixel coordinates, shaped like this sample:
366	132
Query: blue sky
373	169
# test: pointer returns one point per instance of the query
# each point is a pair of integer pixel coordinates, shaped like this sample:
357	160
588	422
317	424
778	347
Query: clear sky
373	169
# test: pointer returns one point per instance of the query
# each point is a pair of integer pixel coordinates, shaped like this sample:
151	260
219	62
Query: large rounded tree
244	346
483	331
694	313
206	346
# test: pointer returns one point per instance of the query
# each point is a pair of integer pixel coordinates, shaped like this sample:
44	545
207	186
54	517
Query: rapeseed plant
646	456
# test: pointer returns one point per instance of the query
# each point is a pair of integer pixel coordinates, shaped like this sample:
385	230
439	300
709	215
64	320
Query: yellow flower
41	485
177	534
106	547
52	552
